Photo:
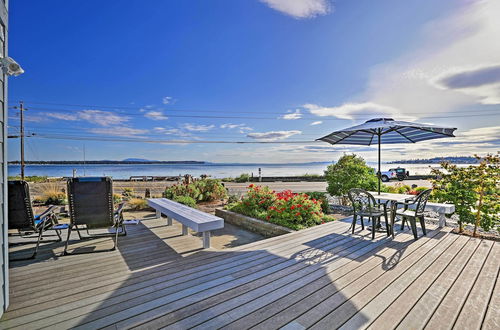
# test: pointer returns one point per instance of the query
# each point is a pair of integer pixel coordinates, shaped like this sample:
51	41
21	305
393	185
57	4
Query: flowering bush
205	190
295	211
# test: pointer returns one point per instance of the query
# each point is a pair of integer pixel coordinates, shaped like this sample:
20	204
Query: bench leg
442	220
158	214
169	221
206	239
184	230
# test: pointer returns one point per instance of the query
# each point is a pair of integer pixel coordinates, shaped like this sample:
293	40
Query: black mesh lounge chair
416	211
21	218
91	206
364	205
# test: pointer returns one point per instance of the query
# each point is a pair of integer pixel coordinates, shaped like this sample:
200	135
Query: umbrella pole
379	173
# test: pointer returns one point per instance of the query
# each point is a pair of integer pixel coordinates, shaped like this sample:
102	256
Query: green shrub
128	193
295	211
117	198
398	188
349	172
186	200
205	190
32	178
320	196
244	177
475	191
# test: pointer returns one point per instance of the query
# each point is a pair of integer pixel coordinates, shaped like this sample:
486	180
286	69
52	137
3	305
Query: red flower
268	217
297	214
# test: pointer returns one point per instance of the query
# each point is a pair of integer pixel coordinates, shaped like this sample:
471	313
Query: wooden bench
197	220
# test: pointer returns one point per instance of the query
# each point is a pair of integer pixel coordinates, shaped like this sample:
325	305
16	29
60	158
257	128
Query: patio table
441	208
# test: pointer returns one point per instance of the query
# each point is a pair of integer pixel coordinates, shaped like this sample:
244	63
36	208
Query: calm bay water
124	171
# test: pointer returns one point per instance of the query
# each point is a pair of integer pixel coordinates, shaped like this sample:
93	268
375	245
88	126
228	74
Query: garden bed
261	227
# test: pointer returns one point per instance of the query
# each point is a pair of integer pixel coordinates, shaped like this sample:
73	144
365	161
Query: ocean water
125	171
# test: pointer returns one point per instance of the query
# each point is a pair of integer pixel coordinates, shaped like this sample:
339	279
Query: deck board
322	277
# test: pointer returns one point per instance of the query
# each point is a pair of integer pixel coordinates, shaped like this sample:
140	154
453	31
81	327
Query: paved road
240	188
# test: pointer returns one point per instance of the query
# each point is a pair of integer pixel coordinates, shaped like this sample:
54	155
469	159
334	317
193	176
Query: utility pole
21	109
21	135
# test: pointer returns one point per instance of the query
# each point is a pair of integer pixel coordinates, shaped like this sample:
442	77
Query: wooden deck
321	278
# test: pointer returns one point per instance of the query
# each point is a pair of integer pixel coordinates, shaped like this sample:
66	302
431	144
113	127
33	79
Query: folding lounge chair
21	218
91	205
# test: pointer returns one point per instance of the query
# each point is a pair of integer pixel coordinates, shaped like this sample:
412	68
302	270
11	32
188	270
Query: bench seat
195	219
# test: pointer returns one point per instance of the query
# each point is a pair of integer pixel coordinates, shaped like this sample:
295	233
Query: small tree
349	172
474	190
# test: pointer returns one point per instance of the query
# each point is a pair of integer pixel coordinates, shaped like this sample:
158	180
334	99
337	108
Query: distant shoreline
105	162
438	160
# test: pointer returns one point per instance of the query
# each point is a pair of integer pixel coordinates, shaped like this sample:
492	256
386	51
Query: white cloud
197	128
292	116
242	127
102	118
167	99
300	8
118	131
350	110
273	135
63	116
155	115
461	42
482	82
99	117
314	123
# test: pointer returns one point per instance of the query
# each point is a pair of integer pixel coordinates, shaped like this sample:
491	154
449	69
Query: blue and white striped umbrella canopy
389	130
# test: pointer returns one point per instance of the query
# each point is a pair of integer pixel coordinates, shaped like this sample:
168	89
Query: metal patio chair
412	210
22	219
91	206
364	205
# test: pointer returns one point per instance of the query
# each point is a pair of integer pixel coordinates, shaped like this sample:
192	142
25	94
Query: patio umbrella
387	131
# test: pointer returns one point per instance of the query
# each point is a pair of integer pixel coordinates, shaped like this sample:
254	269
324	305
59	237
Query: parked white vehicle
394	174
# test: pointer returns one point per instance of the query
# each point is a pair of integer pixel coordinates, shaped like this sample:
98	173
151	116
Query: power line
218	111
274	118
137	140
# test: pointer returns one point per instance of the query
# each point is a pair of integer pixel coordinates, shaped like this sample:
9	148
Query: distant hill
437	160
142	160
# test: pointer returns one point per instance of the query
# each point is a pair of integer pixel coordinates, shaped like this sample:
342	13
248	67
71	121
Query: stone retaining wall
258	226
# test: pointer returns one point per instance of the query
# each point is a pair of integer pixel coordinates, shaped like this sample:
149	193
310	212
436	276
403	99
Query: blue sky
114	75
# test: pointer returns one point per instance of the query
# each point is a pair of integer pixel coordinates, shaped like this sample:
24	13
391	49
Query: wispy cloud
314	123
155	115
63	116
292	116
167	100
172	131
242	127
452	65
197	128
98	117
350	110
273	135
119	131
300	8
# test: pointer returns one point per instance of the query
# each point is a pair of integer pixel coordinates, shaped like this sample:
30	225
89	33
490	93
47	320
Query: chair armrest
119	212
45	215
48	211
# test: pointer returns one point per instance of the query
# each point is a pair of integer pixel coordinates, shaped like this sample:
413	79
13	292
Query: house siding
4	257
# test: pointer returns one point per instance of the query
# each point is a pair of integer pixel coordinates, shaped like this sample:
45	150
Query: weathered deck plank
322	277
